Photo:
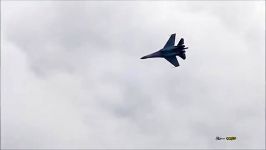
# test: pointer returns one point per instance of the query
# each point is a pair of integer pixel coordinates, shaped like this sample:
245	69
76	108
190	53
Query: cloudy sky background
72	77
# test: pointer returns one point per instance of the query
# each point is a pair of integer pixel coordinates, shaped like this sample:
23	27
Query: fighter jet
170	51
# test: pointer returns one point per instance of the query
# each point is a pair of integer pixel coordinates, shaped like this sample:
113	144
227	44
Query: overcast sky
72	76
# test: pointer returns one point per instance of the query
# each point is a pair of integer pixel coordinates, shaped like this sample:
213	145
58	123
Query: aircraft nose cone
144	57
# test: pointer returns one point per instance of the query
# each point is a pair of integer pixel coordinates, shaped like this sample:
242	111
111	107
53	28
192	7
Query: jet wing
170	42
172	60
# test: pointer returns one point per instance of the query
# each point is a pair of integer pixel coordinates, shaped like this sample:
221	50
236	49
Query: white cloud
72	77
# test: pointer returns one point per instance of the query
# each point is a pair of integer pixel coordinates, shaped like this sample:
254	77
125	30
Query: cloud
72	77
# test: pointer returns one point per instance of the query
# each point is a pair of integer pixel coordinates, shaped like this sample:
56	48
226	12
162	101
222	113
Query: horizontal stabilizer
183	55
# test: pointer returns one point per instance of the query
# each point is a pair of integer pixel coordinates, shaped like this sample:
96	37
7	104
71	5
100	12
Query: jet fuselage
167	52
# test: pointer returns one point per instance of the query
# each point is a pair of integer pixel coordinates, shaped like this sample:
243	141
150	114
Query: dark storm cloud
80	73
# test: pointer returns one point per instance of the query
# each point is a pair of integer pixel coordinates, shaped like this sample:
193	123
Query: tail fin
181	42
